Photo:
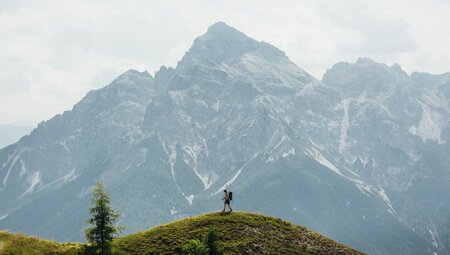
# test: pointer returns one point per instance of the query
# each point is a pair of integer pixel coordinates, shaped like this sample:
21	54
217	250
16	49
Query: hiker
227	197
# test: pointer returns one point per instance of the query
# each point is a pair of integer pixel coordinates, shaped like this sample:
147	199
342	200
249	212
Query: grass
18	244
238	232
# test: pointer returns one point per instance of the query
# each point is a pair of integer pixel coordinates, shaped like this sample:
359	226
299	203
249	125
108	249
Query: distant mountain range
361	156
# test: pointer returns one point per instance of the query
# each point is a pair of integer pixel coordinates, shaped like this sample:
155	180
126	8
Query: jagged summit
222	28
220	36
381	75
132	85
221	42
224	44
366	60
370	63
228	53
133	74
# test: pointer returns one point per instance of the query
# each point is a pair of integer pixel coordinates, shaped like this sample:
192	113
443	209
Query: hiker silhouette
227	197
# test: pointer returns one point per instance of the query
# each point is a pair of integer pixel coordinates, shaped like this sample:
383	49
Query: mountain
10	134
395	134
238	233
47	174
360	156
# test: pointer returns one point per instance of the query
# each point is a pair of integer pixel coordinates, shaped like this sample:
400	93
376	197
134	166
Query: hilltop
239	233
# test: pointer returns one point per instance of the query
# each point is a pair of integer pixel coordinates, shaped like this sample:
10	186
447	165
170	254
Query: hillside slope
239	233
18	244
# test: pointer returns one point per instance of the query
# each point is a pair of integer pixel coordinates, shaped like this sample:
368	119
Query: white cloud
53	52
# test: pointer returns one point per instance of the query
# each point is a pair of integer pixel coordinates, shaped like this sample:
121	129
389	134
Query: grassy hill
239	233
18	244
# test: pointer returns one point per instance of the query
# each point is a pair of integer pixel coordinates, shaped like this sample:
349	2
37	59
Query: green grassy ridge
19	244
239	233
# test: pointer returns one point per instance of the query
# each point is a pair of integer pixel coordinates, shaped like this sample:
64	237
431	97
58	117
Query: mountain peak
221	27
221	31
221	42
133	74
366	75
365	60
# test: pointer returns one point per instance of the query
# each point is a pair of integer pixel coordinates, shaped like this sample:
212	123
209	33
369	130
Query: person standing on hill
227	197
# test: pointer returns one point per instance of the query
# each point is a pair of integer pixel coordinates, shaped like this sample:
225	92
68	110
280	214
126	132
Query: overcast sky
53	52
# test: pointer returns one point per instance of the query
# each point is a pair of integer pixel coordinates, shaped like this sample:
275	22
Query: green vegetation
211	242
210	247
237	233
102	227
18	244
195	247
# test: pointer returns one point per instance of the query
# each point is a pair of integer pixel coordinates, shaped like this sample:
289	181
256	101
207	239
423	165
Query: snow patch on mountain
430	125
229	182
64	145
365	188
235	176
61	181
344	124
290	152
433	238
172	154
216	105
190	198
70	176
435	100
317	156
23	169
190	158
33	181
382	193
12	164
278	146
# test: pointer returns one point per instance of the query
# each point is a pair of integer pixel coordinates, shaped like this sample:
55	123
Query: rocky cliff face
395	134
354	157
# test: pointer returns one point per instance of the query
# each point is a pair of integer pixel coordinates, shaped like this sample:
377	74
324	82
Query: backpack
230	196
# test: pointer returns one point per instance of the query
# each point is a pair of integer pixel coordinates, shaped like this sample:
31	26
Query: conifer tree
102	228
211	243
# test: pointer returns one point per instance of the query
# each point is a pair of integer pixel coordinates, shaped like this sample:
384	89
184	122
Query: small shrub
195	247
211	243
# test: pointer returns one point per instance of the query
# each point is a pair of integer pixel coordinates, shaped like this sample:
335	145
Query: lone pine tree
102	228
